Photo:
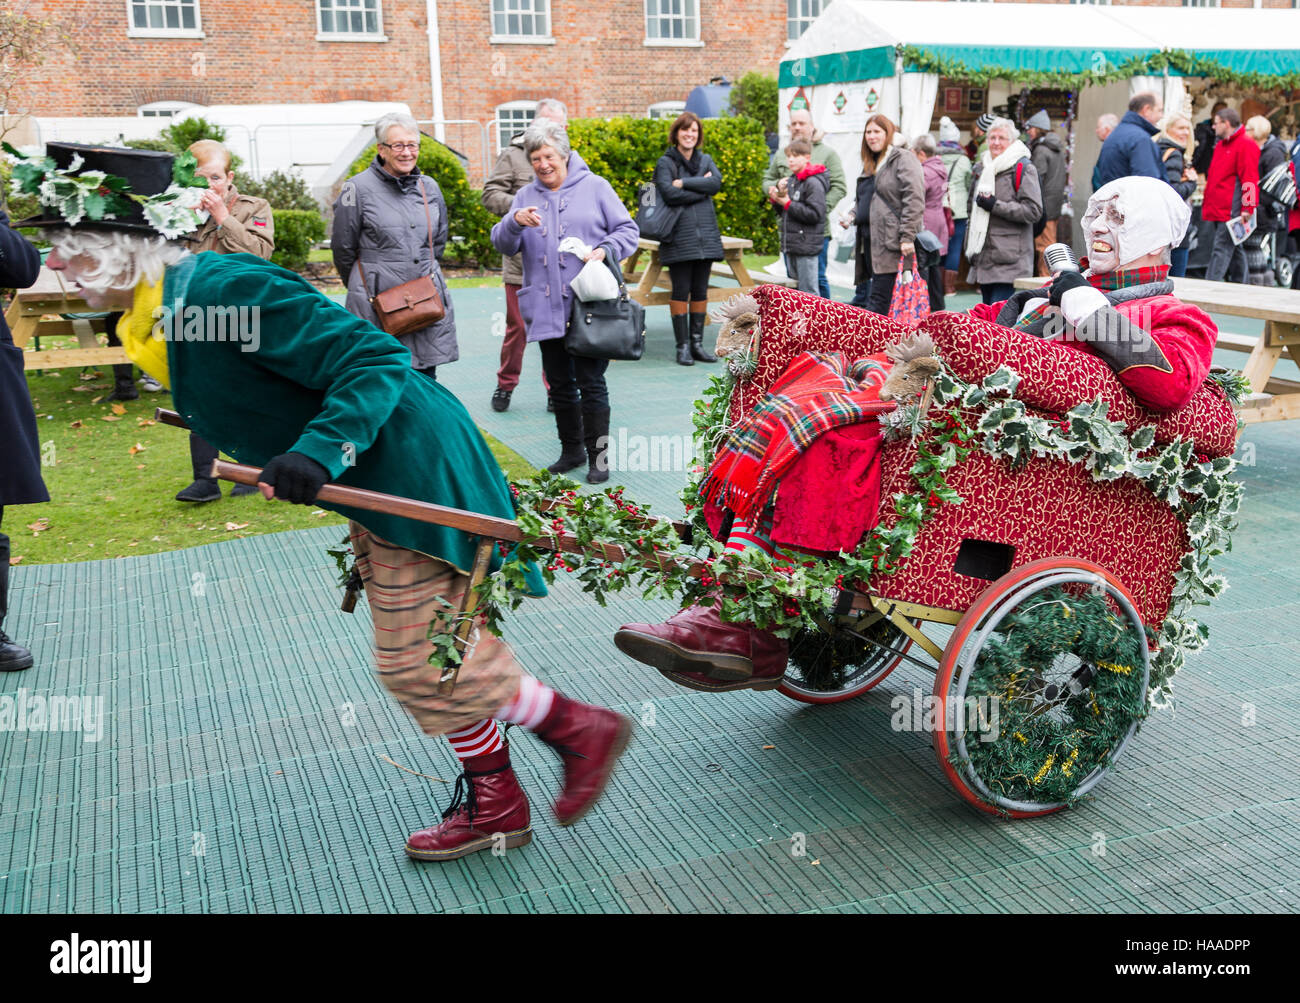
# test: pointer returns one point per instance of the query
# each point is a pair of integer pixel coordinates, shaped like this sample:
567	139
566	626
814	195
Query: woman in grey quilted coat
381	229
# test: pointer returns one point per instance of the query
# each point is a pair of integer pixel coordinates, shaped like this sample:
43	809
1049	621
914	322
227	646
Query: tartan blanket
816	393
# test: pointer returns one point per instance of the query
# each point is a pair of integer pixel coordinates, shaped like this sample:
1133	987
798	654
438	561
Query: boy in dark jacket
803	214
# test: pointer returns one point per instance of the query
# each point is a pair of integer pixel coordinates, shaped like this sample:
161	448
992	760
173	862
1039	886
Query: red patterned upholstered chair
1047	508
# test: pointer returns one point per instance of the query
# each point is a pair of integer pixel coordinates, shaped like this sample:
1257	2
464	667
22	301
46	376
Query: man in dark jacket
20	460
1048	157
1205	139
1231	191
1130	150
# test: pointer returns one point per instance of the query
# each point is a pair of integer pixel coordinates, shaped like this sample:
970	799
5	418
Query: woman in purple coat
936	186
565	200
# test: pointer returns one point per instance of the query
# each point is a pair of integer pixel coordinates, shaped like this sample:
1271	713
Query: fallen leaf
39	526
146	422
16	560
109	417
232	526
319	513
85	390
137	448
75	424
769	746
87	377
119	409
814	863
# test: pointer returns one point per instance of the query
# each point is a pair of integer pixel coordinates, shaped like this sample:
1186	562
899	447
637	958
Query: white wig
121	259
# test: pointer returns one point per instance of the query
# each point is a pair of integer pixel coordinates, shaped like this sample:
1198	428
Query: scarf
978	227
816	393
1154	276
135	331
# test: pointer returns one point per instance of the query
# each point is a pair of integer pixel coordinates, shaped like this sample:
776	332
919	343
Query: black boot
682	332
205	487
124	388
596	426
13	657
698	351
568	423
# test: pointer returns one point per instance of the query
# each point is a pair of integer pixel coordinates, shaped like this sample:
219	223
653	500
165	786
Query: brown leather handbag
412	305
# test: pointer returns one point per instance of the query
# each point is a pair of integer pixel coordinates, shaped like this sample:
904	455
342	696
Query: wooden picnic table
36	313
1272	398
651	287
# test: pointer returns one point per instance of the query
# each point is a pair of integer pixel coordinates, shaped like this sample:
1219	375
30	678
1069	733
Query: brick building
481	68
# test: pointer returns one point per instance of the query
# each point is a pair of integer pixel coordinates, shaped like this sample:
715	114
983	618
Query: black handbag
655	218
607	329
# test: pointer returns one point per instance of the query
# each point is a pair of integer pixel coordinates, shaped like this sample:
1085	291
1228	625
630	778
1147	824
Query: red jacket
1185	334
1236	159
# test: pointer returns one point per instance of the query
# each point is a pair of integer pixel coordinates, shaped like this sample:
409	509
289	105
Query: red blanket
817	393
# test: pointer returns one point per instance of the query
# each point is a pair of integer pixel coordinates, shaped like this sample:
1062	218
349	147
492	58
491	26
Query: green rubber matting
239	768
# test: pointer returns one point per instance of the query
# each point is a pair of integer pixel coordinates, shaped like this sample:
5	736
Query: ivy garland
1187	63
753	587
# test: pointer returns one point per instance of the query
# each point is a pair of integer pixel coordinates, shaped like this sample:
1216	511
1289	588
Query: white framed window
163	19
799	14
665	109
512	118
672	22
350	21
521	21
164	109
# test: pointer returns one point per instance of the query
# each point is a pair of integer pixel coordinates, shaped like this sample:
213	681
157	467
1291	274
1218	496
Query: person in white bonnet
1122	306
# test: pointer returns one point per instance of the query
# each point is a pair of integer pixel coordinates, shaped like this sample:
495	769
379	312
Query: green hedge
624	151
470	225
296	231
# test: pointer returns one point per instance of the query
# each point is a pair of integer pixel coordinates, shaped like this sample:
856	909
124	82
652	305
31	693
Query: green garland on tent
1189	64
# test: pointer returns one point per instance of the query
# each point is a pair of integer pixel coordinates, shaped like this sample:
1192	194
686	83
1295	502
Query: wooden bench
1273	398
36	313
651	286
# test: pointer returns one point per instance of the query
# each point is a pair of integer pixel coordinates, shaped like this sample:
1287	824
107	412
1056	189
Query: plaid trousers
406	591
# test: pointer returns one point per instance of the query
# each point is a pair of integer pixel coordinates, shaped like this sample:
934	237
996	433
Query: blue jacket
1129	151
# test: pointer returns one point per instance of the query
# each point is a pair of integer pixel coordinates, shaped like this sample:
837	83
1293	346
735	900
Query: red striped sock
476	740
530	707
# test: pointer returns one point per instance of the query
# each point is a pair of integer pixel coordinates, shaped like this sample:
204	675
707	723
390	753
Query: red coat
1236	159
1185	334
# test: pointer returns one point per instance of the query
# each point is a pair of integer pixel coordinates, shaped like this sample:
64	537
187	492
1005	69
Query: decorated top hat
110	188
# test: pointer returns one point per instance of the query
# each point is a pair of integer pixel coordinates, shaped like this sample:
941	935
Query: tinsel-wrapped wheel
1041	686
842	663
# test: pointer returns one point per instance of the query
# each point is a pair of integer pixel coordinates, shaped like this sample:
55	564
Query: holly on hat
110	188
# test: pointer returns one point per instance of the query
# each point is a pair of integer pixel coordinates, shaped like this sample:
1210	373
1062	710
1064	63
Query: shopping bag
911	300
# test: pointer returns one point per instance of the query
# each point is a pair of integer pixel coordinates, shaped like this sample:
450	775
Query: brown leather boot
696	648
589	740
949	282
487	806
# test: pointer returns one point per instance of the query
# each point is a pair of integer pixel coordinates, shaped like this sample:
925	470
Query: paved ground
239	764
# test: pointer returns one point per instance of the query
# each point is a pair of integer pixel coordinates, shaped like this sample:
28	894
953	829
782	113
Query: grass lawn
112	474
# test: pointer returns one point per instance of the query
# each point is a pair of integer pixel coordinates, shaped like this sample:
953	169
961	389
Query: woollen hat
948	131
984	121
1040	120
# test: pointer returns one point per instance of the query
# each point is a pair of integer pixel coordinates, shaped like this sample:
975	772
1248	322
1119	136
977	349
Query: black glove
1063	283
295	477
986	202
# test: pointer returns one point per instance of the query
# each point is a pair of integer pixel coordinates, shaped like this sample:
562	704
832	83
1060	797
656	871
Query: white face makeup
1104	224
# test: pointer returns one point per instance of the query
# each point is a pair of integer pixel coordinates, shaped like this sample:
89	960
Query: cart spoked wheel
827	666
1042	684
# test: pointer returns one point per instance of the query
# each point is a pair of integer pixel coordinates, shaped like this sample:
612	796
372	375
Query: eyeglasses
401	147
